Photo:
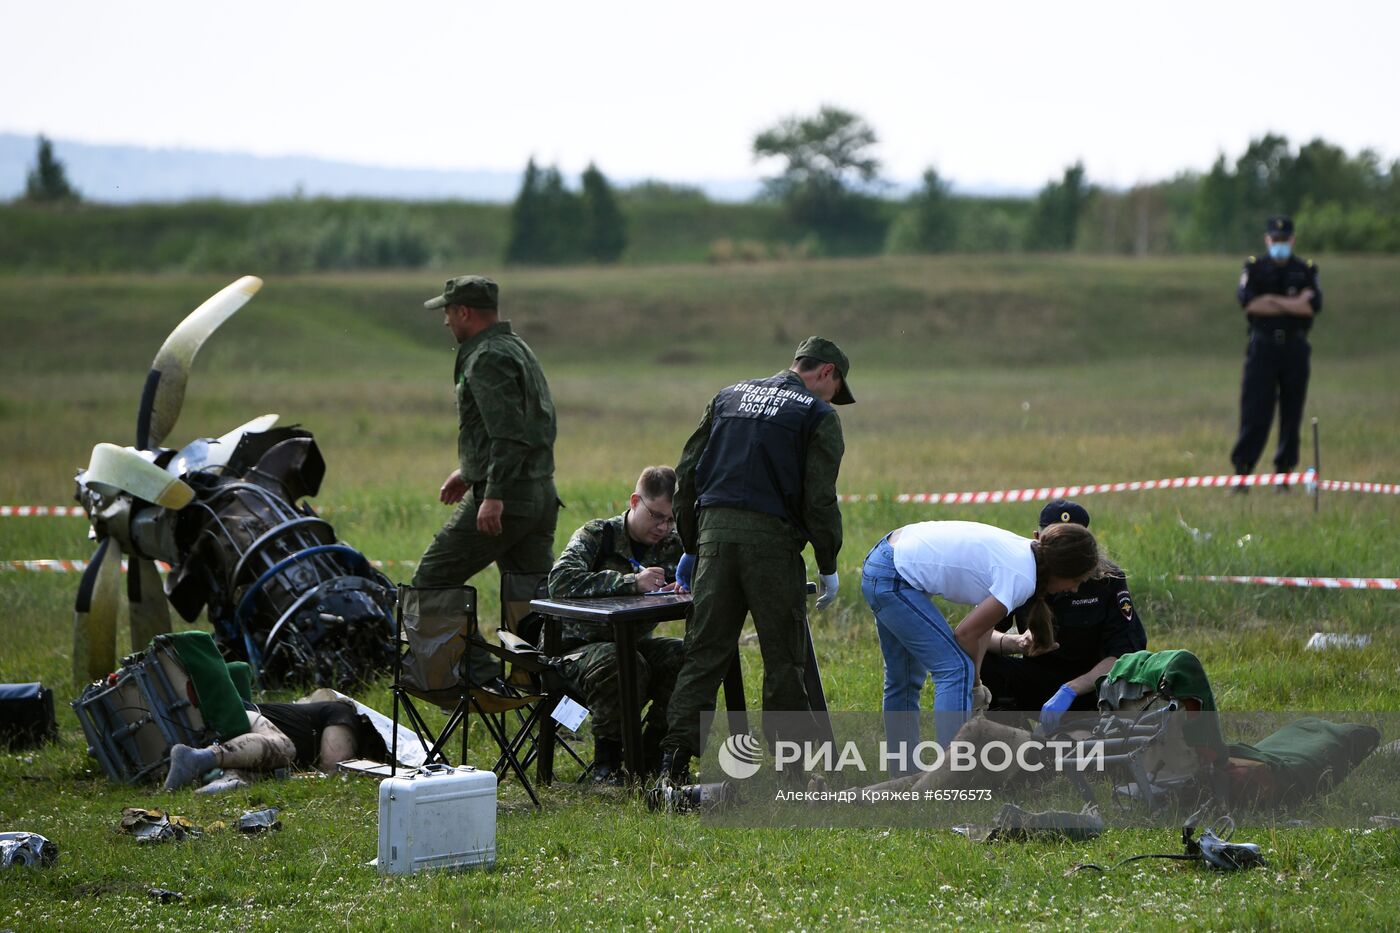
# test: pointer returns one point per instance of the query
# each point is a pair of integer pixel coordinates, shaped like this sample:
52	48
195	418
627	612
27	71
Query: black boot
675	764
664	794
607	761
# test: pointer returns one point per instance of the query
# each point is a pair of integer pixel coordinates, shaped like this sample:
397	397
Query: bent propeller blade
164	392
122	469
145	596
95	616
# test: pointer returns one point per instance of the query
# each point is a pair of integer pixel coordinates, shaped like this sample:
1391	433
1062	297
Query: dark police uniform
755	483
1094	622
1276	362
505	449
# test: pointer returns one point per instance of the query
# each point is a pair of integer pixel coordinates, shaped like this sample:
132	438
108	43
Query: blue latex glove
685	570
1055	707
826	589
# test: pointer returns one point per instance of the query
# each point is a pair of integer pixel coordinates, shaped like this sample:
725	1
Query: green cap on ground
819	348
474	291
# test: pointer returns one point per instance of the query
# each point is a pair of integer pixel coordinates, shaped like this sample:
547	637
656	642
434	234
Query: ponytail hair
1067	551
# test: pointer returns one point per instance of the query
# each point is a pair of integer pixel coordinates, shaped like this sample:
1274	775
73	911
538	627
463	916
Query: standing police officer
755	483
504	484
1280	297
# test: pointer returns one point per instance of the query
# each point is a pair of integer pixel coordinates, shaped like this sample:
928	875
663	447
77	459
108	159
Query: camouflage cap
819	348
474	291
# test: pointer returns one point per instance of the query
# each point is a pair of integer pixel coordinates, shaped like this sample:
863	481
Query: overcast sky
1002	94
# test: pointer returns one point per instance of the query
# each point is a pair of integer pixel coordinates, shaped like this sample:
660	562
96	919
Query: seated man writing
1094	626
635	552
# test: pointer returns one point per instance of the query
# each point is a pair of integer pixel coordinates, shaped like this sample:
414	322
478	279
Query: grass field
971	373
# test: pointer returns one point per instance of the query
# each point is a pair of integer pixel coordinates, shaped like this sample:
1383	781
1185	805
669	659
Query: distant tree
604	227
1262	174
48	180
561	238
1325	174
1054	222
827	173
1218	210
527	219
936	218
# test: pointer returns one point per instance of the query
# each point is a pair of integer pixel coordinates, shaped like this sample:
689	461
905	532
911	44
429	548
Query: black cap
1279	227
1063	510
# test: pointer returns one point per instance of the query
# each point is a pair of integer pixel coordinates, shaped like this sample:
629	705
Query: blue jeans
916	641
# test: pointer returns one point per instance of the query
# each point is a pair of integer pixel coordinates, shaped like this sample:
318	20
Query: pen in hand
660	587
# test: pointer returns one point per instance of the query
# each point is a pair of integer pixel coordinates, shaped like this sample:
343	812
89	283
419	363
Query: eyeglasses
658	517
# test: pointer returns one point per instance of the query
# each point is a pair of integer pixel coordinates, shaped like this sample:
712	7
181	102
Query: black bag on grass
26	715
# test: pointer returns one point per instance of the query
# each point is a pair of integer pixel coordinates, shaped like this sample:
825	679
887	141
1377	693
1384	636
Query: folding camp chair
528	632
435	625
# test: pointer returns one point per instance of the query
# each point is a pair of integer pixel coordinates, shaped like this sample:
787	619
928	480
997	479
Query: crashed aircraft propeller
281	592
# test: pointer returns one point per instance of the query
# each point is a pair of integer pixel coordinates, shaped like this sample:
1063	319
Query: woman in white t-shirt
987	568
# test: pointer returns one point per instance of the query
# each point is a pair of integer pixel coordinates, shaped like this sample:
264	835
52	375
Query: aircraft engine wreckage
281	591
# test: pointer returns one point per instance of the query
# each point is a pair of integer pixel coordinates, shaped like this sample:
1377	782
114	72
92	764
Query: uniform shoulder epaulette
1251	260
1311	264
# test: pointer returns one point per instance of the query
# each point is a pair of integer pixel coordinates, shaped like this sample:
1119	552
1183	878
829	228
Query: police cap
1064	510
1279	227
474	291
819	348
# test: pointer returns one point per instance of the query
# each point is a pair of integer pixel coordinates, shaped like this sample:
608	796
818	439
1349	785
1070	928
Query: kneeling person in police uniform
1094	625
635	552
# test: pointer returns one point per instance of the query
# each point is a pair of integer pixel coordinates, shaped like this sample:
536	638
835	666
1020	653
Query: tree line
826	195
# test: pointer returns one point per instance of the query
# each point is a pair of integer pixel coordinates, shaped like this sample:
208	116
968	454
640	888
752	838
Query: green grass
971	373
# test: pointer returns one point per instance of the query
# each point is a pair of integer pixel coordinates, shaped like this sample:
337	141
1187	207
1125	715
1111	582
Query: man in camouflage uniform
503	487
635	552
755	483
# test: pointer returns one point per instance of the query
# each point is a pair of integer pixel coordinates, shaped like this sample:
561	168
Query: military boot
664	794
607	762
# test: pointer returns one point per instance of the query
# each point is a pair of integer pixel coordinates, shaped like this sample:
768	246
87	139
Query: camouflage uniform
750	562
595	563
505	445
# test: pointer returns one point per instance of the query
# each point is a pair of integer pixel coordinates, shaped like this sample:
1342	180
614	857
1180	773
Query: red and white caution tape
1066	492
50	566
1040	493
1342	485
1328	583
78	566
33	511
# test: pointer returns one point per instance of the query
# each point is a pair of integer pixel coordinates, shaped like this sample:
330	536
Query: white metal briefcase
437	817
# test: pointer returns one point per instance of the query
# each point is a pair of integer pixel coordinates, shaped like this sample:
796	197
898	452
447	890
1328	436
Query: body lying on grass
281	735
